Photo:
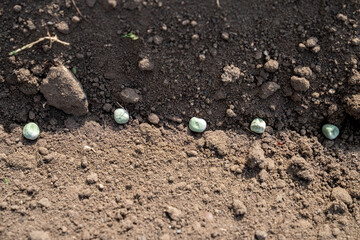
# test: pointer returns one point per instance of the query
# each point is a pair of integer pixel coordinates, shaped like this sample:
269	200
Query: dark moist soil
88	178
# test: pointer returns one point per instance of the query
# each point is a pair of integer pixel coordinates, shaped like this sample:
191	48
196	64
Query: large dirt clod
63	91
352	105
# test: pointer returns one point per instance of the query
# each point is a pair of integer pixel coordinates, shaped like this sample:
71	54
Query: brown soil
88	178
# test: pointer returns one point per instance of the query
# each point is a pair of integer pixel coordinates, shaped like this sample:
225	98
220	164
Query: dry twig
218	3
30	45
78	10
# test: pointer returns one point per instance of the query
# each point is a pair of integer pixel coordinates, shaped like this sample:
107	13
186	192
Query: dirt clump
146	65
231	73
352	105
218	141
271	66
268	89
29	84
129	95
63	27
256	156
305	72
239	208
301	169
63	91
300	84
342	195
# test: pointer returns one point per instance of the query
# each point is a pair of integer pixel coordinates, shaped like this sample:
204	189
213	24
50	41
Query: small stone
90	3
85	193
153	118
43	151
355	41
129	95
17	8
202	57
207	216
107	107
44	202
268	89
30	25
311	42
158	40
192	153
302	47
342	17
146	65
84	163
316	49
300	84
63	27
75	19
92	178
220	94
225	36
271	66
336	231
230	113
174	213
3	205
31	115
39	235
280	183
239	208
109	4
260	235
342	195
50	157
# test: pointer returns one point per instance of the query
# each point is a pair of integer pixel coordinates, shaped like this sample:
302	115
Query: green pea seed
121	116
31	131
258	125
197	124
330	131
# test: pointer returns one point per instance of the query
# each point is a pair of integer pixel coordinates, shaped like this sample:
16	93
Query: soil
292	63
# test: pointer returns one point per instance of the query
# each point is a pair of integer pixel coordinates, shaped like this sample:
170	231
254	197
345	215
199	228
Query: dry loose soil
293	63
